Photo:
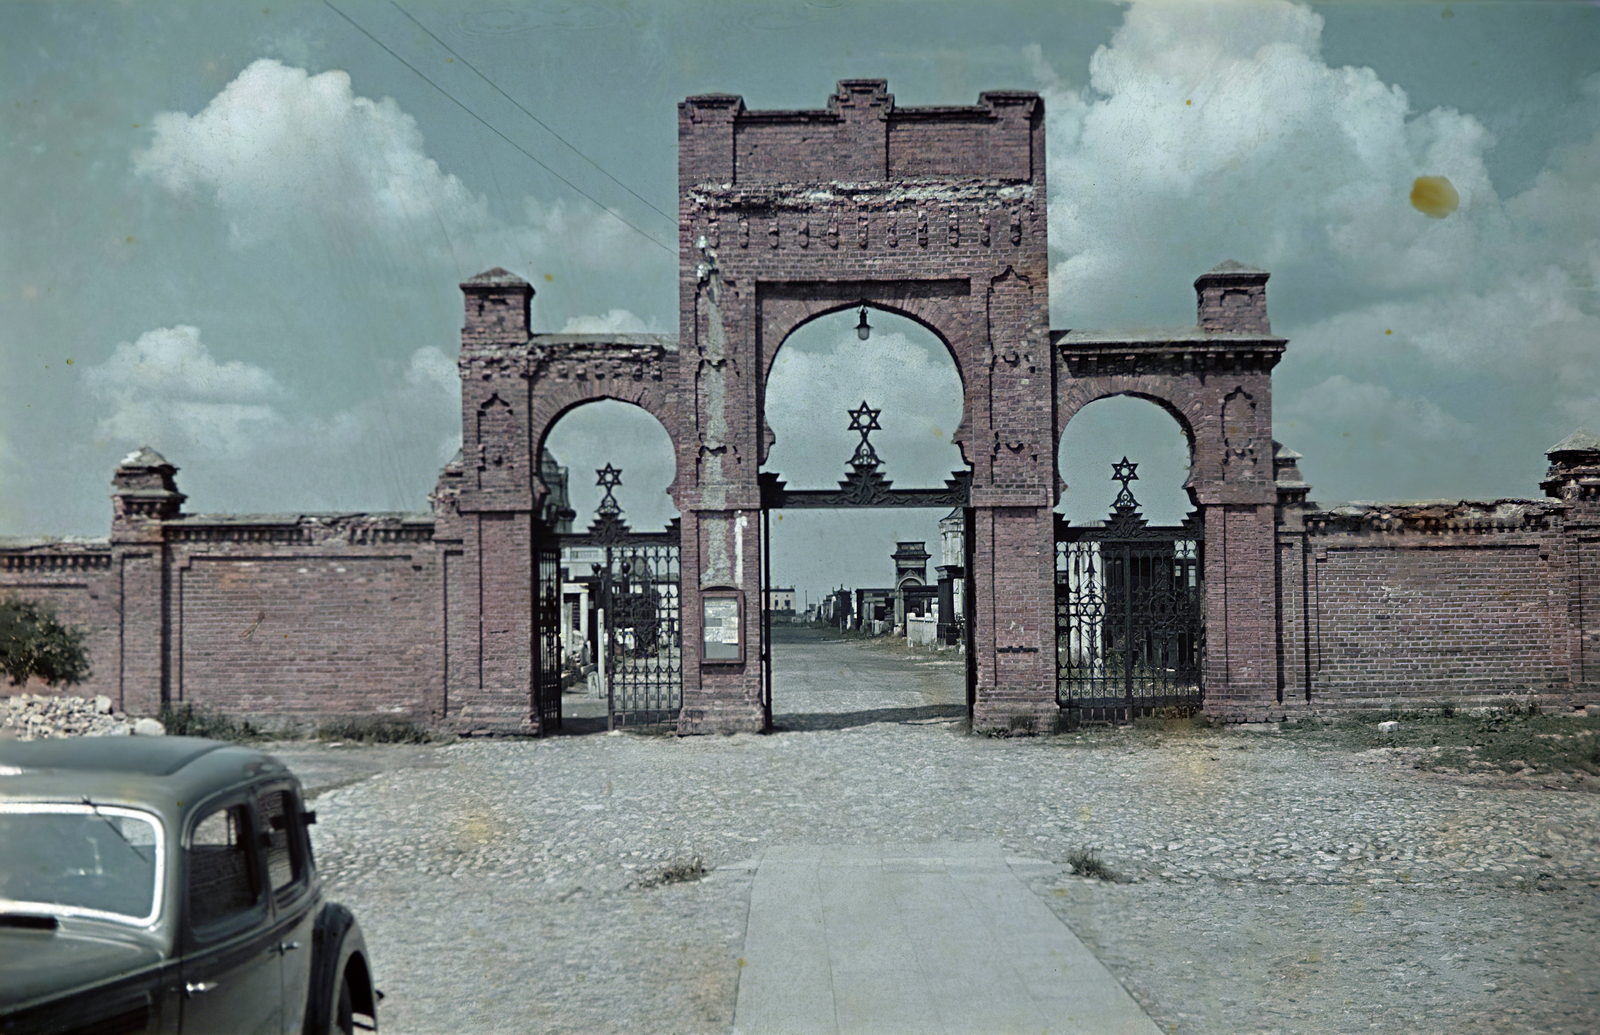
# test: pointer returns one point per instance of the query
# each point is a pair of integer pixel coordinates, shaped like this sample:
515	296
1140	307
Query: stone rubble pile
38	717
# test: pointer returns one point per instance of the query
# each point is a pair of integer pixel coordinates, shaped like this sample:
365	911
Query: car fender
337	946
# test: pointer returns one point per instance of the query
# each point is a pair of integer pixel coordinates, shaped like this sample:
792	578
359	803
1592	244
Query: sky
234	232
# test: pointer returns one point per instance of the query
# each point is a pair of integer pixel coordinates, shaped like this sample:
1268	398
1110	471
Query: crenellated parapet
1437	518
311	530
860	136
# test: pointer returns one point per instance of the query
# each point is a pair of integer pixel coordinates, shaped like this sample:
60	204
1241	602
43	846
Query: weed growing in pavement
1022	726
1172	721
185	720
678	871
1506	740
1085	862
369	730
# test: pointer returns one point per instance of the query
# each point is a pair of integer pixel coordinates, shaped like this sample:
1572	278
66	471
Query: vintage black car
166	884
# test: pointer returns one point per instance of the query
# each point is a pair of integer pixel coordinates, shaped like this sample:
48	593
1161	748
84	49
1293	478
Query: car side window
282	840
222	878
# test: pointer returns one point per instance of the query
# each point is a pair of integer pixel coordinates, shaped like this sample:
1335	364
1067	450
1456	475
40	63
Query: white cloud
1424	352
614	321
1343	404
166	387
1214	131
244	437
282	150
289	156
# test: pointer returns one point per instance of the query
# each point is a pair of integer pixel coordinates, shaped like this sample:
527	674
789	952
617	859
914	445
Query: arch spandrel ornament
494	445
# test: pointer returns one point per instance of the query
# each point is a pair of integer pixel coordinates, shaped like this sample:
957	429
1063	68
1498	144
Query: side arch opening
618	618
1129	564
1102	433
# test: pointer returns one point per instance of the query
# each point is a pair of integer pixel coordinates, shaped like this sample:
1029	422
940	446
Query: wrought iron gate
635	592
547	688
1129	614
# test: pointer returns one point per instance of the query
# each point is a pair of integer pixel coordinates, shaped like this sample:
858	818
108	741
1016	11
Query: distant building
781	600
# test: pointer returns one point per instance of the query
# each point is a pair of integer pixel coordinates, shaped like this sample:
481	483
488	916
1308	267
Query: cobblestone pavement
1274	885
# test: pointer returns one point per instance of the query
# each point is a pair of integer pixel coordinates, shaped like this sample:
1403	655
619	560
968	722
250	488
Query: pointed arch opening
835	403
619	621
1109	429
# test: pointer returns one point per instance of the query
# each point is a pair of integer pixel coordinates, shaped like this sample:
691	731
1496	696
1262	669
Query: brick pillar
721	551
144	495
1241	613
1013	568
497	500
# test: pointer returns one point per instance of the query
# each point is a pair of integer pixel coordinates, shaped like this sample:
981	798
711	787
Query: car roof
168	774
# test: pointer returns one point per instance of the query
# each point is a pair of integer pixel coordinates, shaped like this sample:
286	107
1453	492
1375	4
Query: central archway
933	214
859	404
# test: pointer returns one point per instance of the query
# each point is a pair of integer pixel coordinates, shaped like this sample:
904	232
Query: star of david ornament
1123	472
864	419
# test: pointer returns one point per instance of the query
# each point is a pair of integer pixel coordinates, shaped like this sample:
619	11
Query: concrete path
915	939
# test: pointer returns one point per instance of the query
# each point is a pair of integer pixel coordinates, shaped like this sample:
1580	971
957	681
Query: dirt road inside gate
1268	882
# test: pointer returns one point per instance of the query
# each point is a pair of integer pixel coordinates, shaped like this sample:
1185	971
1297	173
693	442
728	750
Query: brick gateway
938	215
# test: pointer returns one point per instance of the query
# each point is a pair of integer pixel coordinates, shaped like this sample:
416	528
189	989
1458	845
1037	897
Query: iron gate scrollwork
635	586
1130	631
548	686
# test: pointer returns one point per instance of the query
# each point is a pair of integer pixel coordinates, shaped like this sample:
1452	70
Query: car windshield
80	860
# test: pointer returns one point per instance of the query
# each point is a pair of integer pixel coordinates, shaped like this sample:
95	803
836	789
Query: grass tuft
1519	736
679	871
1085	862
185	720
367	730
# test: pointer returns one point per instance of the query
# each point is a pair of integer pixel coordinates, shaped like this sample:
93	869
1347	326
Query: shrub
185	720
367	730
34	643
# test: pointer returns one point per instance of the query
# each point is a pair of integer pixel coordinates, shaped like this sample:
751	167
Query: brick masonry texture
935	214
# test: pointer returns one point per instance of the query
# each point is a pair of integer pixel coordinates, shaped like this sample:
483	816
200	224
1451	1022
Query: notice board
722	626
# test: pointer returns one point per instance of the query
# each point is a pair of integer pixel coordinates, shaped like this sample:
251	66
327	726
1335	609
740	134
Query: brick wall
1417	605
305	633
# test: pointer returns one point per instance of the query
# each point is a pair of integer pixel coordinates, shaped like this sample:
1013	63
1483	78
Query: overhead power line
598	204
531	115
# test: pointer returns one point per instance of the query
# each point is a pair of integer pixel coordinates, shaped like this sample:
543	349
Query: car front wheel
344	1014
342	998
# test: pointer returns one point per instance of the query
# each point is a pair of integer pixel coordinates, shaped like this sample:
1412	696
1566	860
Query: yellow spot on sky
29	291
1434	196
1389	331
128	239
449	61
742	963
69	362
1190	101
135	125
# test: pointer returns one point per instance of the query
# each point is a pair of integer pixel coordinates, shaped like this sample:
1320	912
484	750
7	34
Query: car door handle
194	988
284	947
